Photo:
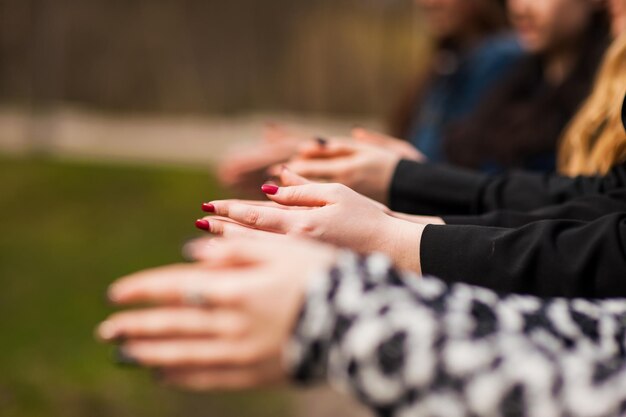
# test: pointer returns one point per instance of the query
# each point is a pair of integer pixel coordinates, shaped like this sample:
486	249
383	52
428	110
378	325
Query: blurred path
173	140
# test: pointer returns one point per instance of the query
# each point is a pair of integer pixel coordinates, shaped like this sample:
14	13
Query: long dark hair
491	20
524	116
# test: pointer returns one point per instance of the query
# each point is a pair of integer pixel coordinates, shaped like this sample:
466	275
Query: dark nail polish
208	207
203	225
122	358
321	141
269	189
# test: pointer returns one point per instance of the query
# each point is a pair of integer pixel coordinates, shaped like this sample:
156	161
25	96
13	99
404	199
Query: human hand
245	165
401	147
219	323
332	213
365	167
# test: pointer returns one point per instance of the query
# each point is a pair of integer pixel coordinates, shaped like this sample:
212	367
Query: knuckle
337	188
220	209
249	355
251	217
307	228
238	329
293	193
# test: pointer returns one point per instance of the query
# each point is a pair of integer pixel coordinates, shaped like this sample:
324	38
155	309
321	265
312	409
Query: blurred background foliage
67	230
210	56
69	227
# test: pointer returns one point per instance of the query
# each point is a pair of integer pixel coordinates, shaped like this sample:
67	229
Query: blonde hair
595	140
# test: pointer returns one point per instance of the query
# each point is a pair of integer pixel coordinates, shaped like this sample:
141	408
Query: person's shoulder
497	53
506	43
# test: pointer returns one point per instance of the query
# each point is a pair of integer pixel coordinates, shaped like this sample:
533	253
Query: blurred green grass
67	230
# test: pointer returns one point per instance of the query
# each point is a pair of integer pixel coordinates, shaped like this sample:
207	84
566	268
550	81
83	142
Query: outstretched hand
365	164
331	213
221	322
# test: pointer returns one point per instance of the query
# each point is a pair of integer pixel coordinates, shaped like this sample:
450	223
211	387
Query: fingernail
208	207
203	225
321	141
123	358
106	332
269	189
112	296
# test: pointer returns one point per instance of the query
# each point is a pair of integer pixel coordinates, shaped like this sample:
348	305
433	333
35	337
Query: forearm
431	189
402	243
551	258
584	209
401	344
414	218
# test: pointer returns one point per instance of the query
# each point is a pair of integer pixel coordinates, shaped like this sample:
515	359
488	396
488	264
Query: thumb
289	178
238	251
363	135
306	195
327	149
274	132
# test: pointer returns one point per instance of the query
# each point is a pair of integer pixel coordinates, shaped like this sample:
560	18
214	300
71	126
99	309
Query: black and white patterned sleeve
409	346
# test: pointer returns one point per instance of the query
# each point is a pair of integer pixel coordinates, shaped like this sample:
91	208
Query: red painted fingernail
269	189
208	207
203	225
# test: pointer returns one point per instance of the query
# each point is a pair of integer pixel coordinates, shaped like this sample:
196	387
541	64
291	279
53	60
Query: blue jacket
454	92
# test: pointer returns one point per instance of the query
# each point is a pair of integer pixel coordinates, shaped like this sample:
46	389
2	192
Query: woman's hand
245	166
220	323
363	166
401	147
332	213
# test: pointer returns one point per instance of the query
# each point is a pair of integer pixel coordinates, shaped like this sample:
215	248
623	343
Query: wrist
402	243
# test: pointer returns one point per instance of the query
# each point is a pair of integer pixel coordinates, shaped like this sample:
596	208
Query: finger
319	168
399	146
288	178
310	195
237	251
273	131
329	149
164	322
231	378
174	284
368	136
269	219
207	250
191	352
210	208
225	227
250	160
278	133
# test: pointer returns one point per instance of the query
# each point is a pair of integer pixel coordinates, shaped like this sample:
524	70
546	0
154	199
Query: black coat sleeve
584	208
568	258
431	189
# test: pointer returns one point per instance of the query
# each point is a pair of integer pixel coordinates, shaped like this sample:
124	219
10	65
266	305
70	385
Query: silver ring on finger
195	298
